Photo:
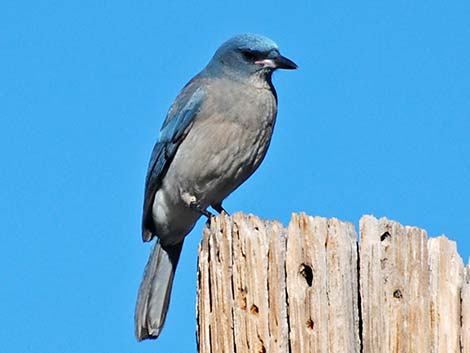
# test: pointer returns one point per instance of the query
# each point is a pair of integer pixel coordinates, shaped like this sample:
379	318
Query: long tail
155	290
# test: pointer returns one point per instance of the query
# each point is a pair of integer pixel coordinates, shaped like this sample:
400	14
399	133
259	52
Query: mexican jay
214	137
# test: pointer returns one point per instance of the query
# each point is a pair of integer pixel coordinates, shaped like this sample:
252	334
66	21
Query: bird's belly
208	167
219	153
218	157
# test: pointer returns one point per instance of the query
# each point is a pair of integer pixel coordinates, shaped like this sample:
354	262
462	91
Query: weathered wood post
311	288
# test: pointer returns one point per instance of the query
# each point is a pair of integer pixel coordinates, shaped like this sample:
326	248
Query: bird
215	135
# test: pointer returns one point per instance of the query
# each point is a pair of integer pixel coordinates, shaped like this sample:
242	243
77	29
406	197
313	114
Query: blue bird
214	137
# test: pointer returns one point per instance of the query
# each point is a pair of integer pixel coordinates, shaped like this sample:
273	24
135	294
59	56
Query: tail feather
155	290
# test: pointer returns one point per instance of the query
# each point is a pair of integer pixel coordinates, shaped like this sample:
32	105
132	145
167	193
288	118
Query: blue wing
178	122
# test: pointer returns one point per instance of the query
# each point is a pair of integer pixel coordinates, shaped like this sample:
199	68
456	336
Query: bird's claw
196	207
219	208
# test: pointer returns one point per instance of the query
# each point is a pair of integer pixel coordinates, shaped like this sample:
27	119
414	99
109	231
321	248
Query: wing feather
175	128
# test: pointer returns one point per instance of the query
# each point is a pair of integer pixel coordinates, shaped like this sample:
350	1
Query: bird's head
248	55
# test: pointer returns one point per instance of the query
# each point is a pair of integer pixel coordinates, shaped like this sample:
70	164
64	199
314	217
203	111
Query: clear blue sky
375	121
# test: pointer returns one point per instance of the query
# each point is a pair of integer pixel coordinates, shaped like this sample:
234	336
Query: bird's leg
219	208
192	203
196	207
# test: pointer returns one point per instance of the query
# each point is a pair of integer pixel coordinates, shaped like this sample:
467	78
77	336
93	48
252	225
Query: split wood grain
465	333
321	267
308	288
215	294
241	286
446	268
394	282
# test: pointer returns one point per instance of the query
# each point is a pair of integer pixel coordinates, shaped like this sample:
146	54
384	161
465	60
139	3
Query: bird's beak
279	62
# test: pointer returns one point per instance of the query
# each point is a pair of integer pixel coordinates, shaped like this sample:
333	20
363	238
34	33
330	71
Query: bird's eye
251	55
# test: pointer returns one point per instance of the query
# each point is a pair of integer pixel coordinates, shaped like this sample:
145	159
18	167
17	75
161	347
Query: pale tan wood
321	269
343	290
215	294
277	292
394	282
259	286
446	284
465	333
306	284
265	288
242	273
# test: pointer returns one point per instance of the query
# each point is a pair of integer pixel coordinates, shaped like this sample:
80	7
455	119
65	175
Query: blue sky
375	121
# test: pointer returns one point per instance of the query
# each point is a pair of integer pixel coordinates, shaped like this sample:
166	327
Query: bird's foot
196	207
219	208
192	203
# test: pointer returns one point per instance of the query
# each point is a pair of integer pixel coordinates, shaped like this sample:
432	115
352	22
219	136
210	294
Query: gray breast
228	141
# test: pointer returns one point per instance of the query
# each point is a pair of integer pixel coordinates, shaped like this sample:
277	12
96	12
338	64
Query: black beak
282	62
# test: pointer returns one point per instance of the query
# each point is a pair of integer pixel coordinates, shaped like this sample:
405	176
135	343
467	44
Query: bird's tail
155	290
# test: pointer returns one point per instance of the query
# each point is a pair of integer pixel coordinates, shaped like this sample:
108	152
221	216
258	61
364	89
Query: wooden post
446	268
241	286
395	289
465	334
322	285
310	288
